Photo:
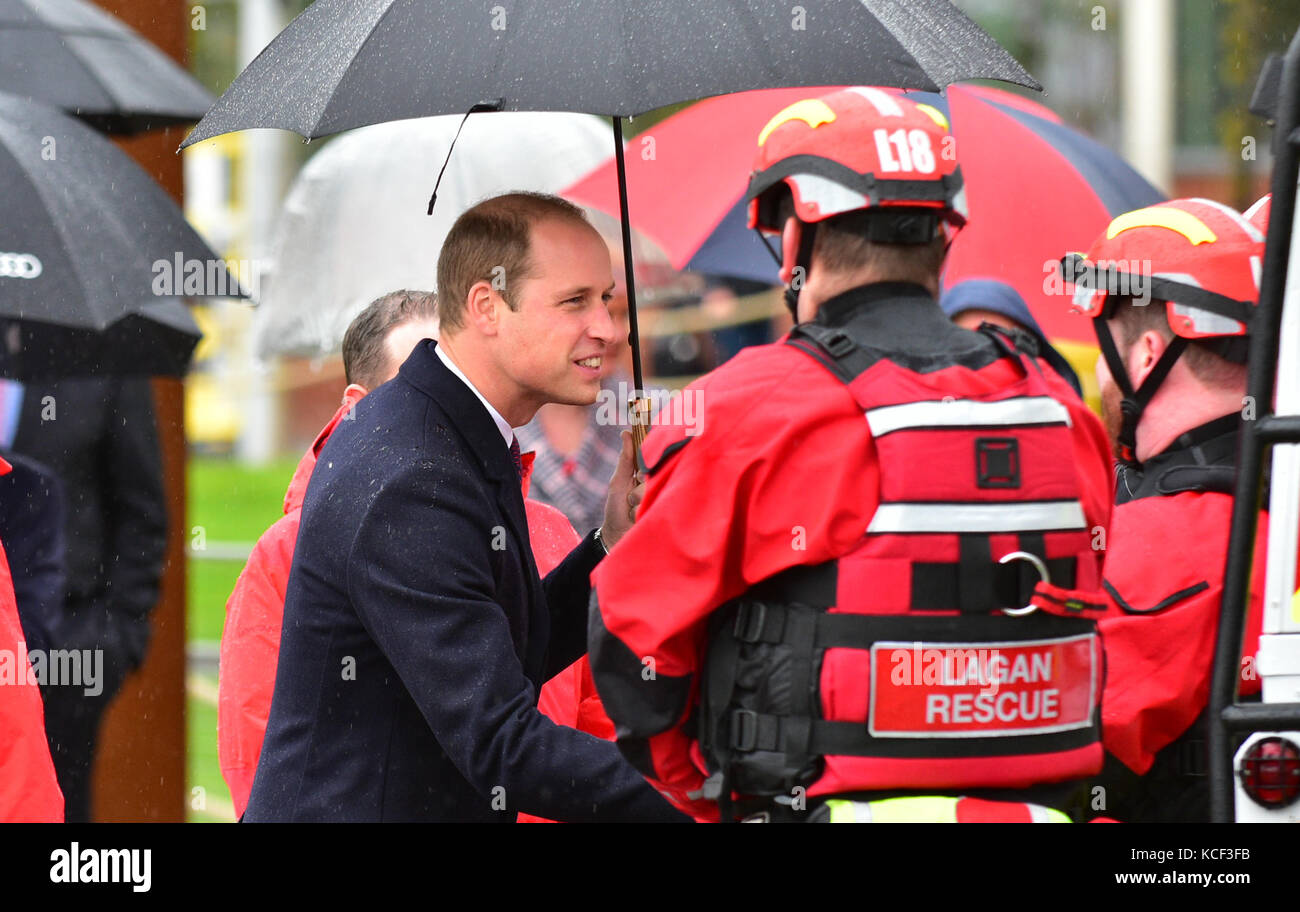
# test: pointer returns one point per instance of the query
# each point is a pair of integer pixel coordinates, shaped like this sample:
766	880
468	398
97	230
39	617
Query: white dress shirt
507	432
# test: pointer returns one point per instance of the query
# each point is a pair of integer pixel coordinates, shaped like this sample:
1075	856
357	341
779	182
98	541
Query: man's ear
355	388
1144	355
482	307
791	235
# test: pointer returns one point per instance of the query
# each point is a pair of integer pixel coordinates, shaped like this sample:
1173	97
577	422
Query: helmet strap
1134	402
802	265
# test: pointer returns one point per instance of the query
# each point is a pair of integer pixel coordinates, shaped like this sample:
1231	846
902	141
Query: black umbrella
347	63
83	60
157	341
94	255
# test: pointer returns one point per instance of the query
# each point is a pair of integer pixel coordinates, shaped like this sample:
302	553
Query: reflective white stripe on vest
947	413
1026	516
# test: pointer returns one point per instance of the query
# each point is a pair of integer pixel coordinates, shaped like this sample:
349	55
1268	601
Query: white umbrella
354	225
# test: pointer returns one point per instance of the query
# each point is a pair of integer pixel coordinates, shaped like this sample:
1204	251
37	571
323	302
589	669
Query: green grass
228	503
203	771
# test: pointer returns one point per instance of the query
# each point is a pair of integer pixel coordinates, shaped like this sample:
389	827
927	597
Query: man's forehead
567	234
571	254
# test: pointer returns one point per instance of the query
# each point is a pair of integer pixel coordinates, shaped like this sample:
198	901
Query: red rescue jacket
29	791
769	472
1165	556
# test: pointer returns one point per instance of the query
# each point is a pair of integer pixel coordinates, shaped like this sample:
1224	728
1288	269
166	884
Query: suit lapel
425	371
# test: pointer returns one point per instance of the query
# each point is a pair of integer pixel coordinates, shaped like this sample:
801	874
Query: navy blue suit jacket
417	633
31	530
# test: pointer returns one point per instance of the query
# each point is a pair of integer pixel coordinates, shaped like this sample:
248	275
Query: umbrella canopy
348	63
92	245
73	55
1035	189
686	180
354	225
333	68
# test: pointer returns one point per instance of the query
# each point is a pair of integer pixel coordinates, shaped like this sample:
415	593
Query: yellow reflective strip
1040	814
812	111
1295	607
935	114
1186	224
923	809
842	811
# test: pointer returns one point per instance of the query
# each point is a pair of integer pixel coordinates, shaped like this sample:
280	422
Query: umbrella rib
66	246
352	61
102	319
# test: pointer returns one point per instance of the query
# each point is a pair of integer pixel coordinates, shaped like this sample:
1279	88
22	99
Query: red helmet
1200	258
854	149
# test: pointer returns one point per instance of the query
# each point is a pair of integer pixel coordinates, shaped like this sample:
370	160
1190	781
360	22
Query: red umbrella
685	173
1035	189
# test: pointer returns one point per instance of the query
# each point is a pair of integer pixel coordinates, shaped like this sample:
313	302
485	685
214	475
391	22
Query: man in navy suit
416	630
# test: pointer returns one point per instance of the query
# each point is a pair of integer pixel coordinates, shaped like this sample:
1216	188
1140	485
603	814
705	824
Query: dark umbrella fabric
156	342
348	63
73	55
88	240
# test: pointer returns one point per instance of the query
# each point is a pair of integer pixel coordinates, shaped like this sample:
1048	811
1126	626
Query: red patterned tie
514	454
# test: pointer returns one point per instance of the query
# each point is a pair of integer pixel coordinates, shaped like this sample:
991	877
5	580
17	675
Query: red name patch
970	690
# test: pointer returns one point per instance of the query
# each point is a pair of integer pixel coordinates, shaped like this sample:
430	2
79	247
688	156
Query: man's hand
625	492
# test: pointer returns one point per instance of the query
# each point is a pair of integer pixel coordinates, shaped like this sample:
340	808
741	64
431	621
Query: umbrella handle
638	410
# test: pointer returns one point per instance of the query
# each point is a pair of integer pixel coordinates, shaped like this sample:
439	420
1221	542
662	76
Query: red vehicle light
1270	772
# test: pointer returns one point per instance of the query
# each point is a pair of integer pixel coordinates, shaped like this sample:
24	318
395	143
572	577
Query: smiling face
552	347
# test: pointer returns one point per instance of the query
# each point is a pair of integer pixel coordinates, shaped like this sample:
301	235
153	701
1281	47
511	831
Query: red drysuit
777	469
29	791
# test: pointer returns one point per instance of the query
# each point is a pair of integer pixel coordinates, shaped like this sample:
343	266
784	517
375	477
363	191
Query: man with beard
1171	290
878	491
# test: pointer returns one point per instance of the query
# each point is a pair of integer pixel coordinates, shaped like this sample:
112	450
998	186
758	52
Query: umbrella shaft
634	336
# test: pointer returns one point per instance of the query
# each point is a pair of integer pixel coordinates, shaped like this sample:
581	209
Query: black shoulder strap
1016	344
833	347
1211	478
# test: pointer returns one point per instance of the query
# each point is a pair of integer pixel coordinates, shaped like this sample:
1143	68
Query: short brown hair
492	241
364	356
842	244
1133	319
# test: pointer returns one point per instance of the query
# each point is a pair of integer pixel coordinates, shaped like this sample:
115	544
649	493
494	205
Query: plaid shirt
576	485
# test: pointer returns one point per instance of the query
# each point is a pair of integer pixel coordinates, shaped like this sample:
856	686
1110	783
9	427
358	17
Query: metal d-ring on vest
1042	572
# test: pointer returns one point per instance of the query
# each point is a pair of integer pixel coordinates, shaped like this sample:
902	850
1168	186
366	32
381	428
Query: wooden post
140	769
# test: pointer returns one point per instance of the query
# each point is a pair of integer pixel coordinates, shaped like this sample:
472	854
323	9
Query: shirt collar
507	433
